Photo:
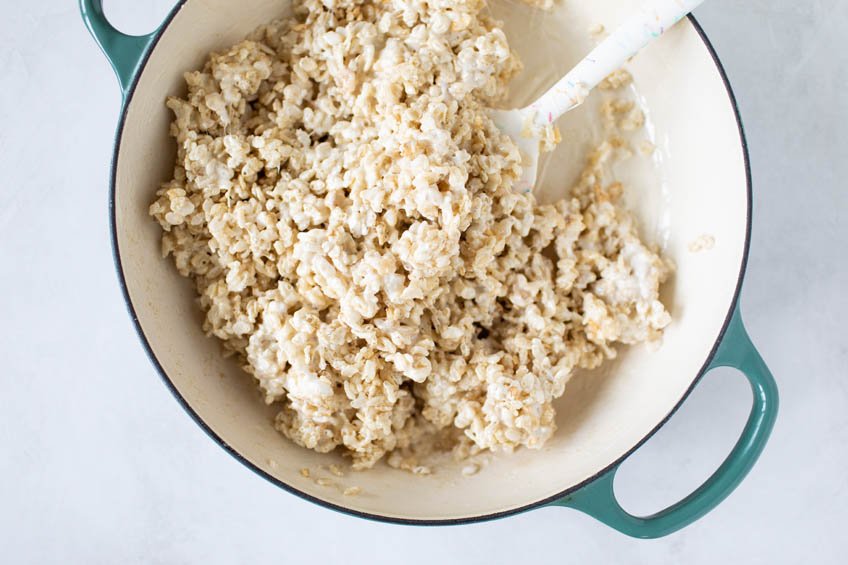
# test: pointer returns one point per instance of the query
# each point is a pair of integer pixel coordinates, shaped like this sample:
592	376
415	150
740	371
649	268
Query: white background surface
100	465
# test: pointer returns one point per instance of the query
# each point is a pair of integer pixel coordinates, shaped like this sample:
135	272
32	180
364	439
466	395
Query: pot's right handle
598	499
125	52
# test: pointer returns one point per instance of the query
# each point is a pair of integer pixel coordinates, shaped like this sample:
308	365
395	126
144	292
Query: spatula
526	124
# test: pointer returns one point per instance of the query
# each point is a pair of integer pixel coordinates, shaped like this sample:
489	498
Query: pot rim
116	254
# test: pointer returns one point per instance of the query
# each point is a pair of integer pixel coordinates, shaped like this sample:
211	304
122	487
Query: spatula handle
650	22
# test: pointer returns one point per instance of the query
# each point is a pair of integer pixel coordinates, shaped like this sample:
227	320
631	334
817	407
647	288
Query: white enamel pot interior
698	184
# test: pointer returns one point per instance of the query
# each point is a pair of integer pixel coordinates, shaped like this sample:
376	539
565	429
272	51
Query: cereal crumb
614	191
336	470
622	148
614	108
646	148
272	464
325	482
541	4
633	121
351	491
616	80
597	31
703	242
471	469
654	345
304	473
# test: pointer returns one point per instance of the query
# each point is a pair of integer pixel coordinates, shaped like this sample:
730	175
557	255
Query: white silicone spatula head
525	125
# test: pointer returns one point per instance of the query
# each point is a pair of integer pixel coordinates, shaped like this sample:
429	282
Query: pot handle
597	499
125	52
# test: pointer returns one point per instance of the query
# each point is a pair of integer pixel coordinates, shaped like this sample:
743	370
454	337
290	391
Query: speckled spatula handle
650	22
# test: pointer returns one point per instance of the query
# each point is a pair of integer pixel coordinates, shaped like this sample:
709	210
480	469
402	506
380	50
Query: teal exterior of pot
124	52
735	350
596	497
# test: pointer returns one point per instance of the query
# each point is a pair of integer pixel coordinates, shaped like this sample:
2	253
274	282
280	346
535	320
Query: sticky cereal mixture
343	203
542	4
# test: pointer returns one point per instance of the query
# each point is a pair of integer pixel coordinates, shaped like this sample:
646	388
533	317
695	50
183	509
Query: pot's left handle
125	52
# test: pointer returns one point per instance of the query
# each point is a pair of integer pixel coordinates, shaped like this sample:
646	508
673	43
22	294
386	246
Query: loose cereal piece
634	120
352	491
616	80
621	145
613	108
646	148
703	242
471	469
542	4
597	31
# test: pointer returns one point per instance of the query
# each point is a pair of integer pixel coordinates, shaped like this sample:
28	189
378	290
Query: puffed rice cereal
343	204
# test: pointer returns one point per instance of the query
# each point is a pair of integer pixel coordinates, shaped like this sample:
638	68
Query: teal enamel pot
697	186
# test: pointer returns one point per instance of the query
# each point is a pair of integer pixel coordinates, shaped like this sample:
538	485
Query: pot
701	185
